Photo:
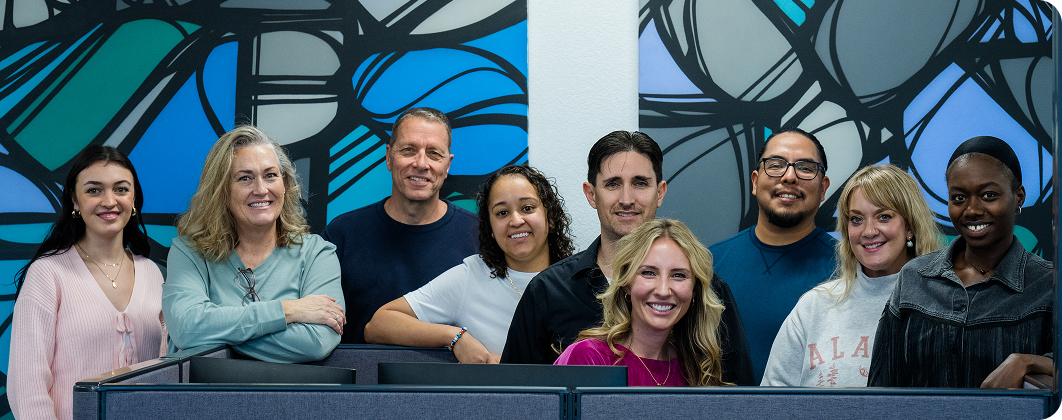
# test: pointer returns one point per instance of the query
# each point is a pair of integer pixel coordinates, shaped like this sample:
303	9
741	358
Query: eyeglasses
246	280
804	169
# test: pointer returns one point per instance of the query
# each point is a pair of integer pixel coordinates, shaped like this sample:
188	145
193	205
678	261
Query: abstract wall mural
899	81
161	80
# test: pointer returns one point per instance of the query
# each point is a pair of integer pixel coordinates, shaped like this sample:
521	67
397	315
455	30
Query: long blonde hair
887	187
208	224
696	335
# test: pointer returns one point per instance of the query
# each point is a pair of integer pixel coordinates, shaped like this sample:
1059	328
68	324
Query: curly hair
696	334
209	225
887	187
559	238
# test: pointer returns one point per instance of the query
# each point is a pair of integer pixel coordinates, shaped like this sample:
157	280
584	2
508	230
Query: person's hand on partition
1011	373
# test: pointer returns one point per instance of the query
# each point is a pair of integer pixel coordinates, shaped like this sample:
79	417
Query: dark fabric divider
339	402
853	403
364	358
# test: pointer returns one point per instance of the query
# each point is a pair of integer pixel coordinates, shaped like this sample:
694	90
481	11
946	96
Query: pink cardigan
65	329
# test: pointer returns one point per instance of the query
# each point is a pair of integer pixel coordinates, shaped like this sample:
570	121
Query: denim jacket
936	333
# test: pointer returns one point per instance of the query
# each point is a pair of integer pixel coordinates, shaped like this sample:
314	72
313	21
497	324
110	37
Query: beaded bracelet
456	337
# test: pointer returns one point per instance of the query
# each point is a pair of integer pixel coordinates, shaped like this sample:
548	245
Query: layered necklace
100	265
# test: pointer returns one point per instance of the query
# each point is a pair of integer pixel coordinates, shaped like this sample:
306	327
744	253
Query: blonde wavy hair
887	187
696	335
208	224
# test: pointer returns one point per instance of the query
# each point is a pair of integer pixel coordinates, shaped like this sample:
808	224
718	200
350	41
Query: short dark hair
624	141
559	237
809	136
429	114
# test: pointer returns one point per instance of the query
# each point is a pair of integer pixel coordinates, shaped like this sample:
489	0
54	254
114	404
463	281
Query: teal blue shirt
202	301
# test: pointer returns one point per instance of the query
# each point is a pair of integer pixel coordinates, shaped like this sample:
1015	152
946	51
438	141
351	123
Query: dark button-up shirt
562	300
936	333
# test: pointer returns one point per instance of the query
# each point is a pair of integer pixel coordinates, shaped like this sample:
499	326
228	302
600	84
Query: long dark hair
68	230
559	238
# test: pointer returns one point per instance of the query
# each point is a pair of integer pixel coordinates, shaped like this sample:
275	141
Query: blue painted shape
1046	170
509	43
373	187
513	109
966	113
481	149
362	67
937	206
418	72
883	161
928	98
470	89
219	82
30	198
792	10
1023	29
15	97
991	30
347	140
359	167
29	233
163	234
3	150
8	268
808	3
19	54
183	135
657	71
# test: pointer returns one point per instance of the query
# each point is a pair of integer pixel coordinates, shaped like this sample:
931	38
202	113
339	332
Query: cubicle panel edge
323	402
592	403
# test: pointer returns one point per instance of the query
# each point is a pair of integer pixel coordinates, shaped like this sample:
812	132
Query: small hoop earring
627	297
1019	210
75	214
134	211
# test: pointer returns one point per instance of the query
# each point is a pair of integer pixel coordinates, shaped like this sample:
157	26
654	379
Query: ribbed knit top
65	329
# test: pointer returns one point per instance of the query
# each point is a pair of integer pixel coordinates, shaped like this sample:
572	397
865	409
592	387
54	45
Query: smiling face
878	236
256	195
662	288
518	221
419	160
105	197
982	202
789	202
625	194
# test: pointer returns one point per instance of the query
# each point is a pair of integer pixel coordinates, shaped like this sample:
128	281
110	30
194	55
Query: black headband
993	147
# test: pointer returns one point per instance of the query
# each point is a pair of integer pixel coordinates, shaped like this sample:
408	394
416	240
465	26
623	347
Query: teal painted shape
372	187
1028	240
163	234
30	233
93	96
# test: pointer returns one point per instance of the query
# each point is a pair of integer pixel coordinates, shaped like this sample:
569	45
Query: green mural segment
66	123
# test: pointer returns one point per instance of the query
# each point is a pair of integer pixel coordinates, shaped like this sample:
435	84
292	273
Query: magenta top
596	352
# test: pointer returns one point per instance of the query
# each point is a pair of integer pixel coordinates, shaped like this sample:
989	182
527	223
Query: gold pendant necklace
651	372
114	283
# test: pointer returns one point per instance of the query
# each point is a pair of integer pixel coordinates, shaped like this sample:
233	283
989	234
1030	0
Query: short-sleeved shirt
469	296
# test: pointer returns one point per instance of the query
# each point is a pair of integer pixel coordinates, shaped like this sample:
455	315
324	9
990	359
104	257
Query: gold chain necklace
114	283
518	293
651	372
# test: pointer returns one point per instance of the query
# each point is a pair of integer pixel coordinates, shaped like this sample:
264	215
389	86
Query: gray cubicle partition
809	403
322	402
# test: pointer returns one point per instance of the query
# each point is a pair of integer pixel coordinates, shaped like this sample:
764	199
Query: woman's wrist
456	338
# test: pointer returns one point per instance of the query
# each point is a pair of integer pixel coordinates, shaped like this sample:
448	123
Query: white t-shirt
467	296
823	344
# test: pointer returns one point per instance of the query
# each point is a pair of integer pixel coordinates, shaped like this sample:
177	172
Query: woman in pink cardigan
90	300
